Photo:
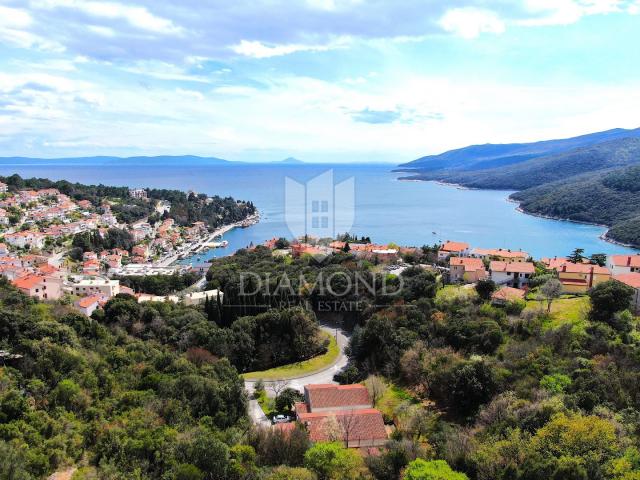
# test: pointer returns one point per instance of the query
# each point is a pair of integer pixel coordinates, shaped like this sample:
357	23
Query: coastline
604	236
247	222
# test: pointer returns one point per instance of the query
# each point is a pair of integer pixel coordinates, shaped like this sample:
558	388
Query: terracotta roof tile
631	279
336	396
352	425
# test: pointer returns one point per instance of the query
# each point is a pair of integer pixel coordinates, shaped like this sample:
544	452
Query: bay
386	209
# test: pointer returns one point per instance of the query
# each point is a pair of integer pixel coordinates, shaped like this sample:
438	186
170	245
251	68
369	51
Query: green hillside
538	171
611	199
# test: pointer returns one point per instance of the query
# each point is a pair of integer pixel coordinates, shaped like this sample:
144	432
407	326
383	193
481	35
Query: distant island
290	161
592	178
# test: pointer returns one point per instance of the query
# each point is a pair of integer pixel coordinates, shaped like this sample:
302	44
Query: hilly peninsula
596	182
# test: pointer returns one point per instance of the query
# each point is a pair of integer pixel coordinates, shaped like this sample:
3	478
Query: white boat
220	244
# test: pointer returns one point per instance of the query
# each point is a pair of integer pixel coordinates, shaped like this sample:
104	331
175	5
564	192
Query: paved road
257	415
323	376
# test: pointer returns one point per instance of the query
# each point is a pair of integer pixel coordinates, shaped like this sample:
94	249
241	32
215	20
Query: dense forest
159	284
214	211
185	208
151	391
611	199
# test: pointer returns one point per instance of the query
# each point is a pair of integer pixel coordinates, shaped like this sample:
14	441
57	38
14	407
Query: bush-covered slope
539	171
479	157
611	199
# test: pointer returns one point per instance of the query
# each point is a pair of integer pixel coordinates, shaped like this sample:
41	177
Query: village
37	228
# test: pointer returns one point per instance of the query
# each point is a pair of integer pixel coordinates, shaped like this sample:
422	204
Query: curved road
323	376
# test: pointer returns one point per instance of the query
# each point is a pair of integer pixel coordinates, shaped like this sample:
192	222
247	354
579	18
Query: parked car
280	419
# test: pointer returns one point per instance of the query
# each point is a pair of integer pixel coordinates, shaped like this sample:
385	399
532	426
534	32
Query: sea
386	209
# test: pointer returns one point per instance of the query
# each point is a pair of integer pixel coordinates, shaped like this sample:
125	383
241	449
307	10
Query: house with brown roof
507	294
341	413
466	269
632	280
500	254
580	277
512	274
88	305
620	264
40	286
460	249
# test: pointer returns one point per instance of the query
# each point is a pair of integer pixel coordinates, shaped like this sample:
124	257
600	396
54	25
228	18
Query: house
88	305
138	193
620	264
3	249
4	188
39	286
580	277
553	263
632	280
512	274
466	269
507	294
91	267
94	286
459	249
86	256
499	254
197	298
140	251
4	217
341	413
25	239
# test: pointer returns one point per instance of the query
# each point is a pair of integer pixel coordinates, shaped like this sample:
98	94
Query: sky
319	80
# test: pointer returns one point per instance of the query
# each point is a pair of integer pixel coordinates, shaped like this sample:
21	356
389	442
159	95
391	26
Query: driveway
323	376
257	415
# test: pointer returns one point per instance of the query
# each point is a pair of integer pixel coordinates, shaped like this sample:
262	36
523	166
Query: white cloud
566	12
14	17
258	49
138	17
471	22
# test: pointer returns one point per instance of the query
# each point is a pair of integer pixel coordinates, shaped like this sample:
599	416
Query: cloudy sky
321	80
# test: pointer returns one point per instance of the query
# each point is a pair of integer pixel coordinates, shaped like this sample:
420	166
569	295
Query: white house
621	264
25	239
96	286
512	274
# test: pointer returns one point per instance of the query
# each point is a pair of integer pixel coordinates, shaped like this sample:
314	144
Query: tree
599	259
576	256
485	288
551	290
289	473
332	461
421	469
287	398
608	298
376	388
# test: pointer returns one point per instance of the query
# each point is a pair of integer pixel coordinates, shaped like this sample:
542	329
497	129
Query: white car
280	419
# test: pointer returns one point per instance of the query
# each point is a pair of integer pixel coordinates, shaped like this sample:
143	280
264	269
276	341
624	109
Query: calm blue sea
387	210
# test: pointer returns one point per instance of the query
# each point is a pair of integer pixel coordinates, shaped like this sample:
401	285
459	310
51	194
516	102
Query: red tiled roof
512	267
499	252
352	425
631	279
88	301
508	293
469	263
336	396
569	267
28	282
454	247
626	260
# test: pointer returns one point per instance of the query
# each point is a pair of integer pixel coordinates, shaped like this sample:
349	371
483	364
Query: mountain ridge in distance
482	157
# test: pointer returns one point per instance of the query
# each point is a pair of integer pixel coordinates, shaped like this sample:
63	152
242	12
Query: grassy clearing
299	369
268	405
392	398
566	309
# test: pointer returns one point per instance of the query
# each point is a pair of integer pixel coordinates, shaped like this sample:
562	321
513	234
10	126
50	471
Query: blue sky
321	80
